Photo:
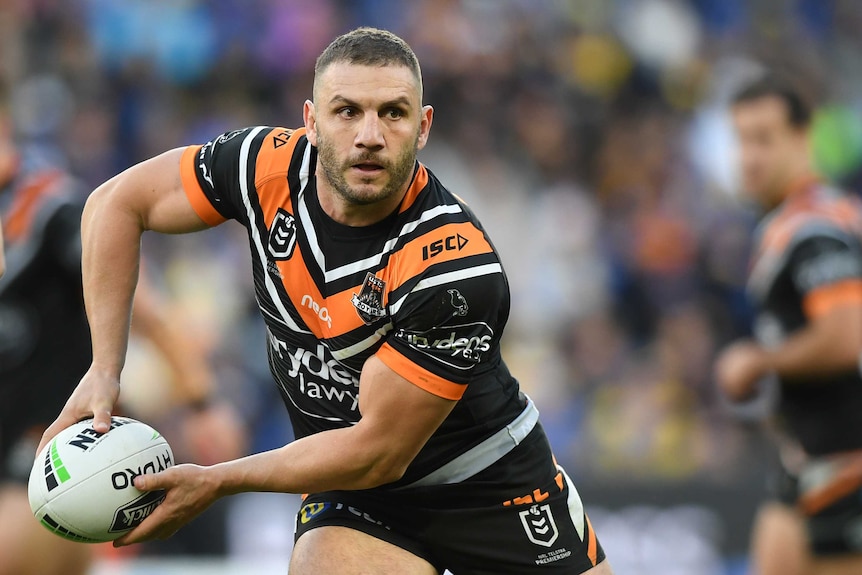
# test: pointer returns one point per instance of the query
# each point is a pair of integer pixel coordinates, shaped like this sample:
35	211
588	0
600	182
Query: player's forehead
766	110
366	84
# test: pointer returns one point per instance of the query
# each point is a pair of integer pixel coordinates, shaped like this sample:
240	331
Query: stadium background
590	136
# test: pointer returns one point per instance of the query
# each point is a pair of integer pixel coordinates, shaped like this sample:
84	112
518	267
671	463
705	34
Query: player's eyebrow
399	101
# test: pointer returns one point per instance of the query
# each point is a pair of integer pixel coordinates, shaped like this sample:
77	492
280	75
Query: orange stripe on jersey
26	201
270	171
416	186
443	244
825	299
200	203
592	546
418	375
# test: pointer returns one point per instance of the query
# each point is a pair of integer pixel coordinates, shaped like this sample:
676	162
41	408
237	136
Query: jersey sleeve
826	271
448	332
211	177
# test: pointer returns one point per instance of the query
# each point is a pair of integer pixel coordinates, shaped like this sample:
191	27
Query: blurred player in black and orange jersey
45	348
385	303
806	281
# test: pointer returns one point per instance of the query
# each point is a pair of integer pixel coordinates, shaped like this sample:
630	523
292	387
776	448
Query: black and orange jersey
807	261
423	289
44	336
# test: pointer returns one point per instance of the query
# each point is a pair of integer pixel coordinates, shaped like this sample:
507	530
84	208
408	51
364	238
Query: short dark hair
369	47
797	102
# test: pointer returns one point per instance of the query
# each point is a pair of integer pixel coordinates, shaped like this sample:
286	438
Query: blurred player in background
383	296
806	281
45	348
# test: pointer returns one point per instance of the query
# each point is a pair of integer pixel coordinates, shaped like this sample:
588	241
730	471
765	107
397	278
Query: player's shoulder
826	214
278	150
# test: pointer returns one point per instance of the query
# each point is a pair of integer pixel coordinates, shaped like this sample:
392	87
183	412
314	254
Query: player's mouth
368	168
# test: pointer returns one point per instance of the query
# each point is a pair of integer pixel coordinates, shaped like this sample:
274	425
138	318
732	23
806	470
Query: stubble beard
400	172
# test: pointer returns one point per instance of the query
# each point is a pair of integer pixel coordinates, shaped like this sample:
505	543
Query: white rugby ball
81	485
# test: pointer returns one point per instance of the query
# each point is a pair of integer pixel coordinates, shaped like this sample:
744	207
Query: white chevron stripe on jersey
255	233
454	276
374	260
359	347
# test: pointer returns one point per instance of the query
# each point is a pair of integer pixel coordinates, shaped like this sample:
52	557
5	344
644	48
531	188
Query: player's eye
393	113
347	112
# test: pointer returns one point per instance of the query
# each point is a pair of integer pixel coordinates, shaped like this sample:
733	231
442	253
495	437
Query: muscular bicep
152	192
398	417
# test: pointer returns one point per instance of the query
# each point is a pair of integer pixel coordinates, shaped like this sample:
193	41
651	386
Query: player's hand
190	490
95	396
738	369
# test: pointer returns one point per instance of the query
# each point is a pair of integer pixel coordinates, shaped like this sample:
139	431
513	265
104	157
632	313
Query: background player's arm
830	344
397	419
147	196
827	272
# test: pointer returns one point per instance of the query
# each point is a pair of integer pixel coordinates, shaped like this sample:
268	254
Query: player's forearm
820	349
111	237
335	459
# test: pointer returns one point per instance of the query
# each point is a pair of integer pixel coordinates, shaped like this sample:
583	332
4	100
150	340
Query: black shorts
834	530
521	515
25	413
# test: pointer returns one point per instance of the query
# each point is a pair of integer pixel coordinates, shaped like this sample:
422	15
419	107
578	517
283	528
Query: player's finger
152	481
146	531
102	419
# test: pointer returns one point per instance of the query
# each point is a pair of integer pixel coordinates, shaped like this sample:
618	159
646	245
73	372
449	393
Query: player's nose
370	134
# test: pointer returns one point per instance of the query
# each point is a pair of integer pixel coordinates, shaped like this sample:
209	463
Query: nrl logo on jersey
369	301
282	235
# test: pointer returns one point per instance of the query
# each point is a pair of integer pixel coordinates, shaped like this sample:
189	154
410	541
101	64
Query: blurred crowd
590	136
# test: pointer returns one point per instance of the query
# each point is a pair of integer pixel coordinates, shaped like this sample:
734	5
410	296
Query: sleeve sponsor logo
281	139
282	235
458	346
203	163
435	248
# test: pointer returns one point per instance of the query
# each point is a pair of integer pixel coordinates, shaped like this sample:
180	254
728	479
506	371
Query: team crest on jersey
538	522
282	235
369	301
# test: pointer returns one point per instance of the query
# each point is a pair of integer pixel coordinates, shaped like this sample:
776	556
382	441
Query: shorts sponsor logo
282	235
311	510
539	524
369	301
459	346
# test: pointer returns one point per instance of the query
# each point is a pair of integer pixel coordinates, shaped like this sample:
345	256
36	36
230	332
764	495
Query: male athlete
806	279
384	302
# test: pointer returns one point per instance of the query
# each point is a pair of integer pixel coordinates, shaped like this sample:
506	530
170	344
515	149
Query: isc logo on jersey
459	346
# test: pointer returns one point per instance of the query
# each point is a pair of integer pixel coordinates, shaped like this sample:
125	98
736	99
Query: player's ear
427	117
310	122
